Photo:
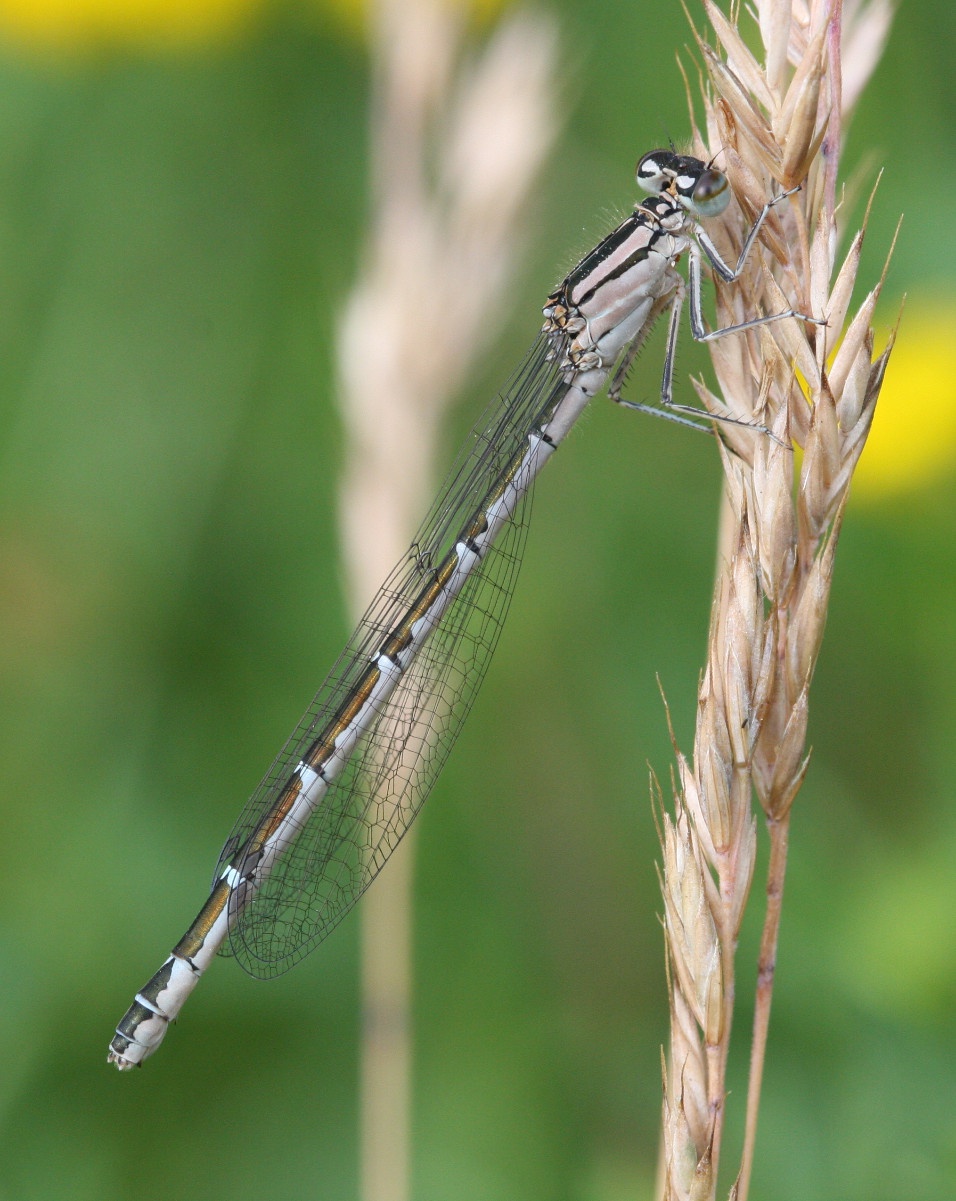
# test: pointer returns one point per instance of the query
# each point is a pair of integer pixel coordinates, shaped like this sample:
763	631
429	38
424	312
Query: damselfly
359	765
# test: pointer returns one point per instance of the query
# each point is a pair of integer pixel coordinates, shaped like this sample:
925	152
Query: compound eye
651	173
711	194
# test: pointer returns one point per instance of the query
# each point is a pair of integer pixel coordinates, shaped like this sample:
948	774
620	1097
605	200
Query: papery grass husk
771	126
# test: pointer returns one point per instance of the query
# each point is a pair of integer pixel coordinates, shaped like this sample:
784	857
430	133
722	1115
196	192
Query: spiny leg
686	415
668	411
717	262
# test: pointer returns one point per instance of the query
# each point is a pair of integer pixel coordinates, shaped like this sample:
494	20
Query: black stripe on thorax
612	243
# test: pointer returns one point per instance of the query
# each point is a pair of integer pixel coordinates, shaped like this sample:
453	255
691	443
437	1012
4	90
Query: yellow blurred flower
80	24
76	24
913	439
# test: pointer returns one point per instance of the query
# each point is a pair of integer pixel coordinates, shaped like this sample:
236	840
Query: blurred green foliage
177	230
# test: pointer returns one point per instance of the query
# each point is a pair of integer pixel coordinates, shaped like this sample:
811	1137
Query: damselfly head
700	189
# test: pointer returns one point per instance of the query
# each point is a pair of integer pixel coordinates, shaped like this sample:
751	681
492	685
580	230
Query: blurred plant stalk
456	144
773	125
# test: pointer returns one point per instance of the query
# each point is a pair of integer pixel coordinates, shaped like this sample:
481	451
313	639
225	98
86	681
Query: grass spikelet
774	125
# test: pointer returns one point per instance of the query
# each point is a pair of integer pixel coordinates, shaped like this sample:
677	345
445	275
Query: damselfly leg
699	241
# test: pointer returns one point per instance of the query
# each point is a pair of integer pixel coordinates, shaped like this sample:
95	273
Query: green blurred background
178	222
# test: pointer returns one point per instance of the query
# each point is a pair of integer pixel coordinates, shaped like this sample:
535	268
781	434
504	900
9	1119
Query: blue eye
711	194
